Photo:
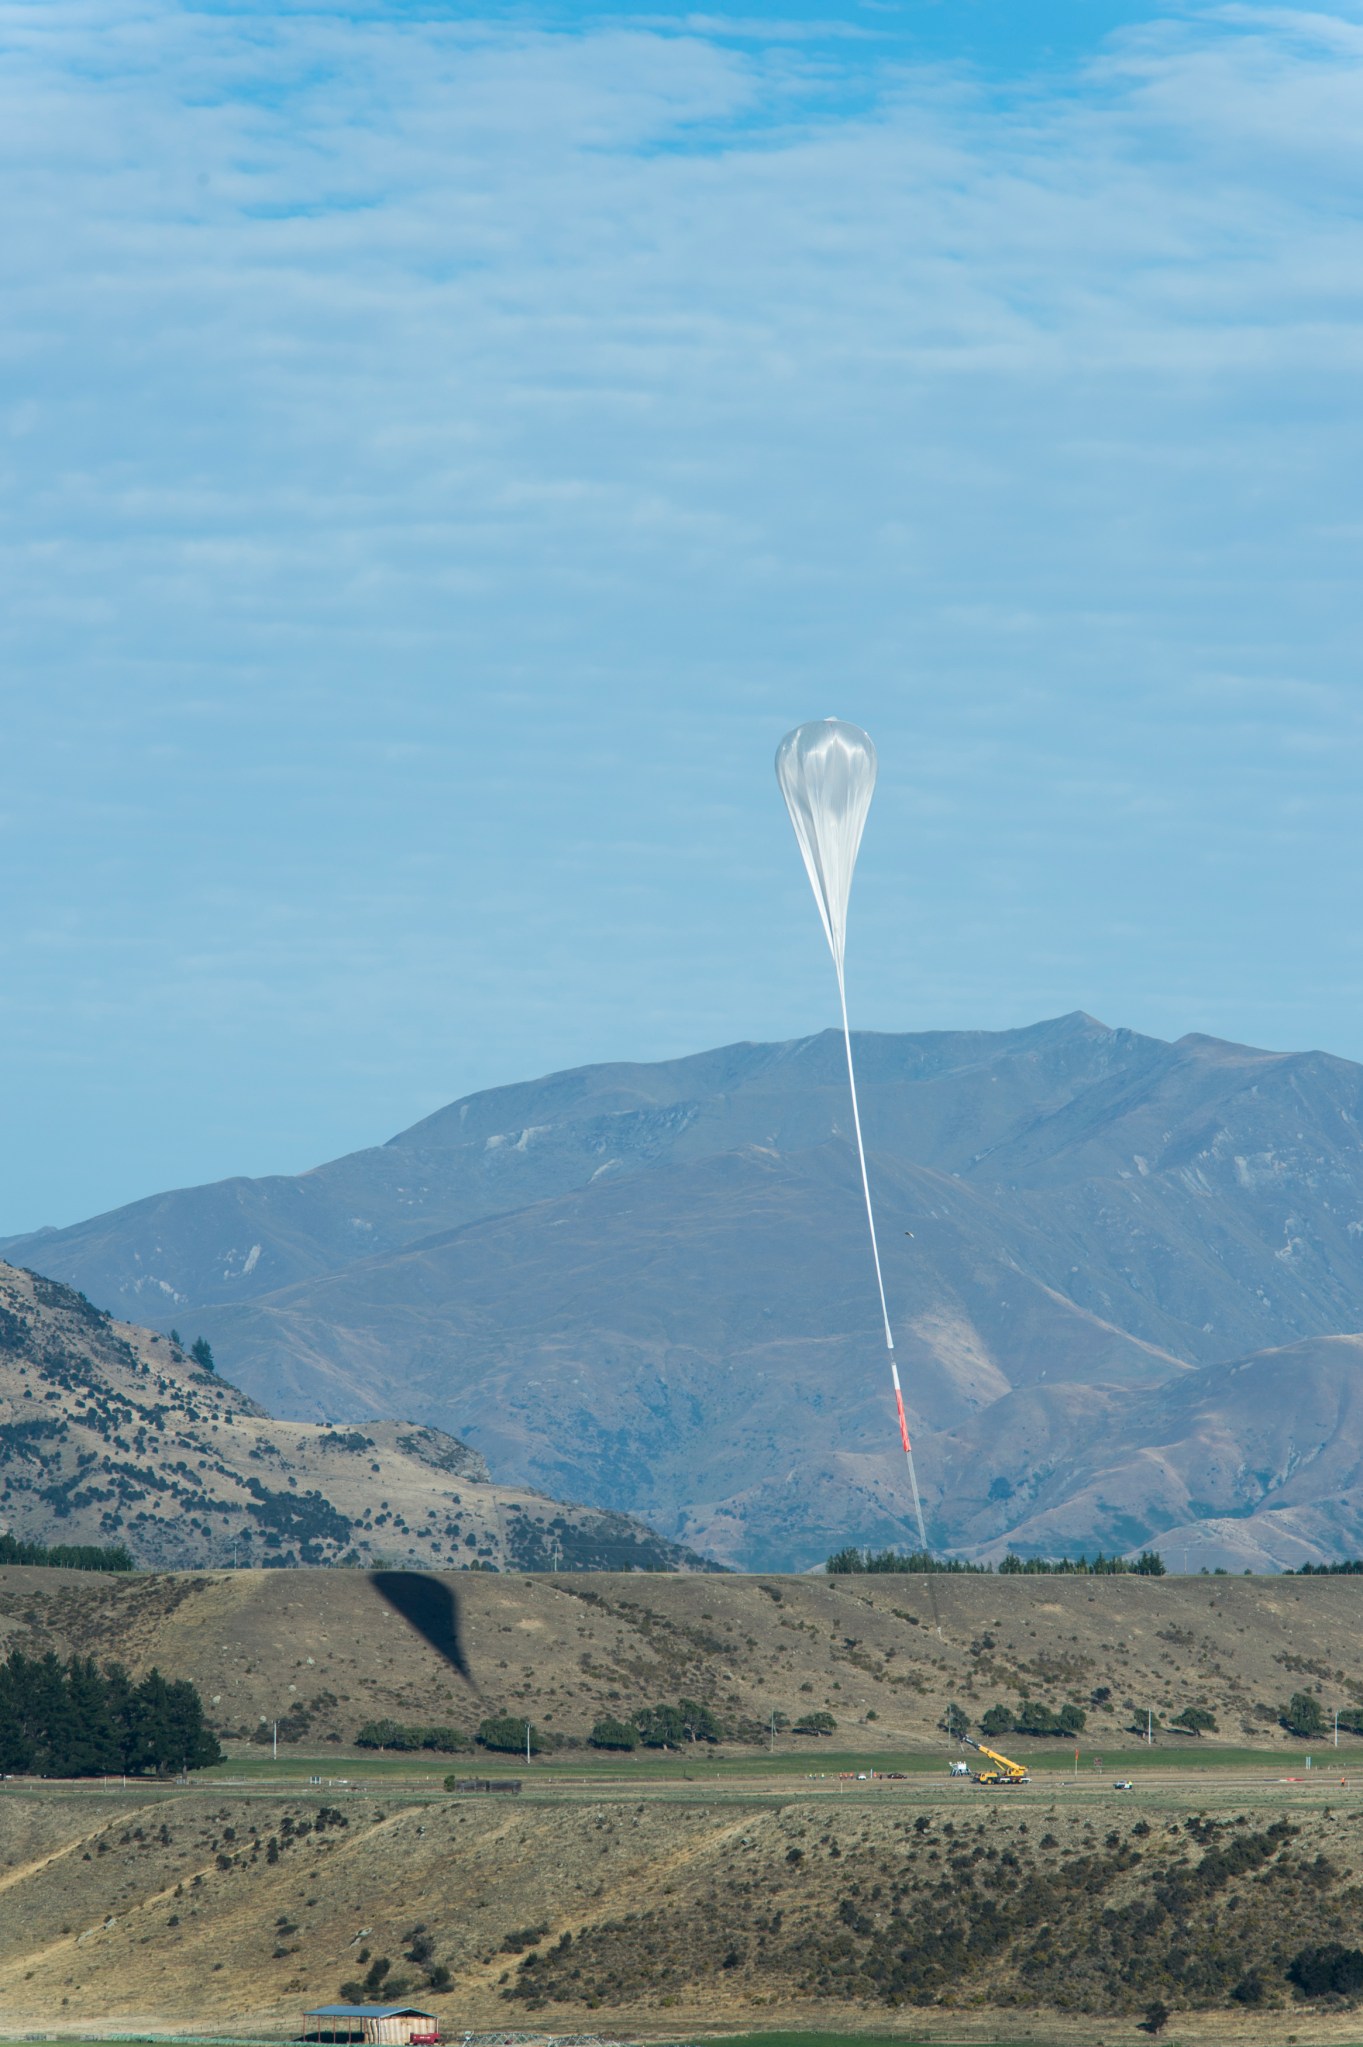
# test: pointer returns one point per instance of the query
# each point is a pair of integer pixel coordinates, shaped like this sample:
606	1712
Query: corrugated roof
368	2011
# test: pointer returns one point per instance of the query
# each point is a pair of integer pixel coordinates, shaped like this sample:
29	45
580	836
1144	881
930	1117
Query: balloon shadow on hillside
429	1606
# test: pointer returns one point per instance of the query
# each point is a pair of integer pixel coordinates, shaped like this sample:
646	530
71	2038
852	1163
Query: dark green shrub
816	1723
1031	1716
618	1734
504	1732
670	1726
398	1735
524	1937
1195	1720
1327	1971
1302	1716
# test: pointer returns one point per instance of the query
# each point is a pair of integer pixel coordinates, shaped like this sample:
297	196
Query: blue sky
442	451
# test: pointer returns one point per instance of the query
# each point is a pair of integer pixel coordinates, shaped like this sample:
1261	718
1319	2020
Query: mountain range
1126	1278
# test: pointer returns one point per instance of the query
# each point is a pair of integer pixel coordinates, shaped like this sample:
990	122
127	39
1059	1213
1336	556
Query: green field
1193	1774
789	1769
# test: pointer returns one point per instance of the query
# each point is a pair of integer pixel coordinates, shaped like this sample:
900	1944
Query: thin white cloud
384	391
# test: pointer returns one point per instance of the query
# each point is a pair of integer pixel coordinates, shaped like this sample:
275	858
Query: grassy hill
883	1655
656	1896
110	1434
934	1910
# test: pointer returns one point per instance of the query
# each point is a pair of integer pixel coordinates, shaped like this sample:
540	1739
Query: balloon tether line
827	773
875	1254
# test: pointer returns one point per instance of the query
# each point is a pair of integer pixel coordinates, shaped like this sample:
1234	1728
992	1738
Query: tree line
78	1720
66	1556
1149	1564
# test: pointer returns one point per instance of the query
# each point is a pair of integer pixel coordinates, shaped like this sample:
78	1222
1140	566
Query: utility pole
527	1741
1336	1727
274	1737
1149	1728
773	1731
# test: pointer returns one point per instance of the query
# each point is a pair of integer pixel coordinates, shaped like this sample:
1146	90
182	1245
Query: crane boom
1005	1770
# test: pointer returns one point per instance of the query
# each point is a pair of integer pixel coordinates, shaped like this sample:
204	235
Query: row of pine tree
77	1720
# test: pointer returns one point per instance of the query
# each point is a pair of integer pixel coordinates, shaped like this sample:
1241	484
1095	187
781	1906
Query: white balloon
827	773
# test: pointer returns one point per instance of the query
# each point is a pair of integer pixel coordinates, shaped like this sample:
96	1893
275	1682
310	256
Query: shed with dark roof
376	2025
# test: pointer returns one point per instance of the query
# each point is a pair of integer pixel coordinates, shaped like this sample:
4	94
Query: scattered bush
295	1725
525	1936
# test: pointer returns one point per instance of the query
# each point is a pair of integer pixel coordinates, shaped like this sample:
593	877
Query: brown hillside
935	1910
110	1433
884	1655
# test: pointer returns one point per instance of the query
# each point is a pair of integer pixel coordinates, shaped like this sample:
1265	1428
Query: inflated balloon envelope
827	773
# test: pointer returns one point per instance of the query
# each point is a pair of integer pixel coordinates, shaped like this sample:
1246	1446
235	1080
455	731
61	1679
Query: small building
376	2025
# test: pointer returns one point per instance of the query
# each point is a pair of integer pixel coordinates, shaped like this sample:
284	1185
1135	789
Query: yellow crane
1005	1770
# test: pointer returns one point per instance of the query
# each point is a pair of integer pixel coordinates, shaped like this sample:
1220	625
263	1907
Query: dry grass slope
884	1655
110	1433
235	1913
630	1903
